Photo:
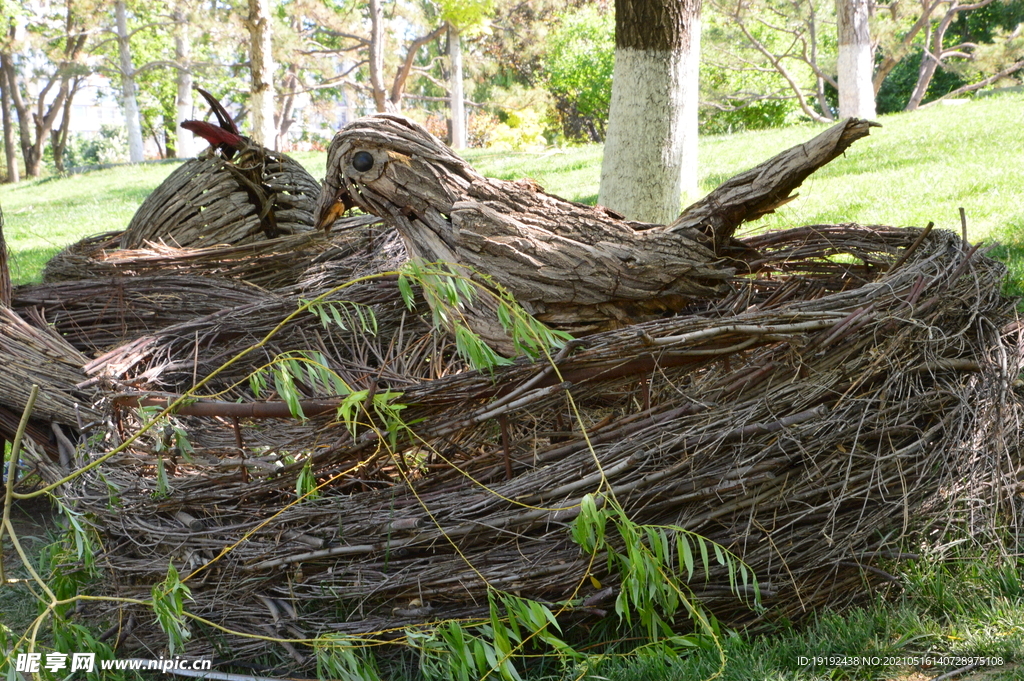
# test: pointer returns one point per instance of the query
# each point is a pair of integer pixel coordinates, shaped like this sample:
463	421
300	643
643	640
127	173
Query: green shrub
578	71
768	113
110	145
899	84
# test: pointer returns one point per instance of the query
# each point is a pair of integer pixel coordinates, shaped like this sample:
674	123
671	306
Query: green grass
43	216
917	168
970	606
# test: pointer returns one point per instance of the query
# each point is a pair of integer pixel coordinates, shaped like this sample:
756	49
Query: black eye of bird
362	161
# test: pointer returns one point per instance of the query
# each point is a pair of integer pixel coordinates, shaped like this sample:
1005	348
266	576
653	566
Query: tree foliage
531	66
581	54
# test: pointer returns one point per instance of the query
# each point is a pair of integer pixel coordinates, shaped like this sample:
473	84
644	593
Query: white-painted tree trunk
457	97
185	146
654	99
128	97
856	59
261	69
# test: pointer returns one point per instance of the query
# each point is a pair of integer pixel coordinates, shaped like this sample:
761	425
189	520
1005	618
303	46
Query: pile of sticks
859	386
855	388
269	264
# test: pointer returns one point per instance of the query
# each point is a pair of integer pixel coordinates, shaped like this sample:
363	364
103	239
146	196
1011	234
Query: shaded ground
33	522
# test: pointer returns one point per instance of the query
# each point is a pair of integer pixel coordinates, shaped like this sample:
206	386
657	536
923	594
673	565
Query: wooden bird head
391	167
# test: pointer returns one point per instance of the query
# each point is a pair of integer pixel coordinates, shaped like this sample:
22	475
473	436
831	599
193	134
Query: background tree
49	54
261	69
651	150
184	143
456	96
856	59
127	73
757	54
10	151
935	52
462	17
142	55
579	65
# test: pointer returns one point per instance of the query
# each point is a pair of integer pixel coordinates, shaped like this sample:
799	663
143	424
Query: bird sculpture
575	267
235	192
250	166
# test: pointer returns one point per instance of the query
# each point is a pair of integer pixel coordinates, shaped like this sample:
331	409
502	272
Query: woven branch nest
859	385
211	200
32	353
269	264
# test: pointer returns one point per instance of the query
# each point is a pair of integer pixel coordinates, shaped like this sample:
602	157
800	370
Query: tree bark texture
650	149
10	150
573	266
128	90
457	98
185	144
261	69
5	267
856	59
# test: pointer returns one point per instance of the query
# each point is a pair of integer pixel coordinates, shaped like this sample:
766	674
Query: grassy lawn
966	607
917	168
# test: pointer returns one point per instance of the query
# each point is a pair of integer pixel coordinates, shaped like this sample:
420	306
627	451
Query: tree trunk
261	68
932	56
131	104
380	98
286	118
26	120
819	79
36	119
5	268
457	98
856	61
59	137
34	125
650	155
184	146
10	151
394	102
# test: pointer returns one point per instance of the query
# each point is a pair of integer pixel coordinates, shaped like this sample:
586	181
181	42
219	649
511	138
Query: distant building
94	106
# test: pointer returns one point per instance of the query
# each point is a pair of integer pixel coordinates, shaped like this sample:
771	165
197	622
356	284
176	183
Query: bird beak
334	210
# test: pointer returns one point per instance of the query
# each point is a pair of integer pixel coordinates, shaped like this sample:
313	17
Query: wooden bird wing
550	257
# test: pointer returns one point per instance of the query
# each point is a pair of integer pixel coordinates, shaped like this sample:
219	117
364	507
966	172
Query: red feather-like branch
214	135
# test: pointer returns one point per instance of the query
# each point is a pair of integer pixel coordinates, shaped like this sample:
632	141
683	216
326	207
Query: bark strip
760	190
